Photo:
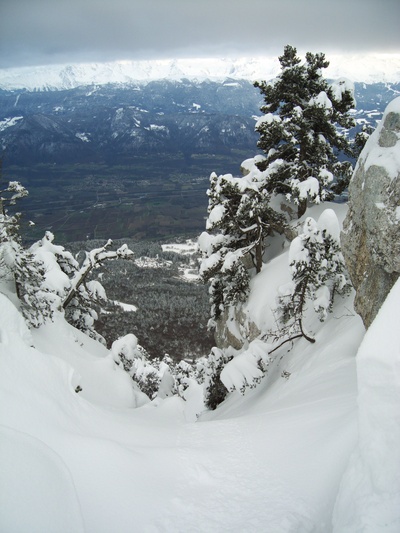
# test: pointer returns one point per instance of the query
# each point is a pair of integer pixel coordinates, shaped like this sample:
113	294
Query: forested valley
172	312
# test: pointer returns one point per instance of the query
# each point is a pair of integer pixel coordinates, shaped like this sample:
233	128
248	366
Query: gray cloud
36	32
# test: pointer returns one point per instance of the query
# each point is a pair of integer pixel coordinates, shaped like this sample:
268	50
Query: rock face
234	329
371	234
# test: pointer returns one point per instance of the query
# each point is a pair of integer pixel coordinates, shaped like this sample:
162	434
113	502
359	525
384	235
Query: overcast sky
41	32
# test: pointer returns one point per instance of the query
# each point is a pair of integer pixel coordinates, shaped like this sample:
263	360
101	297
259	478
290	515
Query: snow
46	251
83	137
12	324
215	216
189	247
102	381
230	259
156	127
189	274
268	118
44	482
155	470
127	346
321	100
97	290
297	251
329	222
322	299
325	175
340	86
261	301
306	188
126	307
309	439
210	262
245	368
9	122
369	497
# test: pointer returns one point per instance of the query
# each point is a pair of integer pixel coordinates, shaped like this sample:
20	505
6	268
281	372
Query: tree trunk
73	291
301	208
259	254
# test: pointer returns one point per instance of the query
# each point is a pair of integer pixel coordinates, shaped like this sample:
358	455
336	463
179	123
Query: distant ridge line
371	68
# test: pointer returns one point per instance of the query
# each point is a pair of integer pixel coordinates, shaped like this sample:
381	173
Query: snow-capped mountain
359	68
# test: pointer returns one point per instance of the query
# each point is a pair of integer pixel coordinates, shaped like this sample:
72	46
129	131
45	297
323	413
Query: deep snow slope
105	460
369	496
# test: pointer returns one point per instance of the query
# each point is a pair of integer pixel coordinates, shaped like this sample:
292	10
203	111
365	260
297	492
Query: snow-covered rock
371	236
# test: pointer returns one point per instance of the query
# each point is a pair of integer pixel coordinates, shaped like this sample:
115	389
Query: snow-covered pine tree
19	267
209	374
303	130
240	218
155	377
38	303
135	360
10	239
318	274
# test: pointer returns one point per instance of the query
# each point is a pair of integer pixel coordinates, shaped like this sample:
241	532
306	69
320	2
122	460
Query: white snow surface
369	497
126	307
8	122
340	86
215	216
188	247
368	68
276	459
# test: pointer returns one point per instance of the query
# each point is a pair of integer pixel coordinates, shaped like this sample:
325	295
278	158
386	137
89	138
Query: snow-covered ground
126	307
105	459
190	248
185	248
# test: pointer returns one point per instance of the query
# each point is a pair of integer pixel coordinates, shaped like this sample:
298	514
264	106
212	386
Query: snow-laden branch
93	259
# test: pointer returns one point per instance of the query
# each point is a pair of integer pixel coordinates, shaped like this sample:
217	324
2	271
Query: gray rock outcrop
371	234
234	329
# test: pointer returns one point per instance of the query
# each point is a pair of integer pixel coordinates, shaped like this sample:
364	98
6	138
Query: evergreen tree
240	218
79	297
38	303
18	266
10	239
302	132
209	373
318	274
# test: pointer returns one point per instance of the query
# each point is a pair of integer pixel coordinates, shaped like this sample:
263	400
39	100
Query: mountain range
114	123
371	68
